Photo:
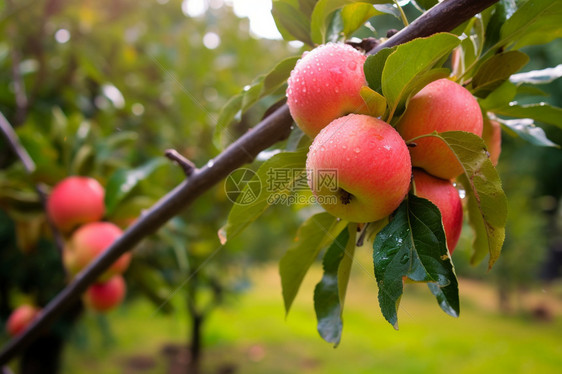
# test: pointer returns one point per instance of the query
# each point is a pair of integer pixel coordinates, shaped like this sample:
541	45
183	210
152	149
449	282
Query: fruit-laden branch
269	131
14	142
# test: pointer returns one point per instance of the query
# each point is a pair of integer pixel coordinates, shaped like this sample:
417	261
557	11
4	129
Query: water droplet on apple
357	150
352	65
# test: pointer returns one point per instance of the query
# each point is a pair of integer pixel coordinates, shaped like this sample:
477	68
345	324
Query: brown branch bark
269	131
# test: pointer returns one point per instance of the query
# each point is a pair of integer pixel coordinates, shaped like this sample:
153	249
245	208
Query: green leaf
307	6
277	76
313	235
244	212
541	112
226	115
501	12
83	160
535	22
122	182
413	245
291	22
426	4
543	76
329	294
500	97
496	70
355	15
487	204
374	100
374	66
526	129
323	10
409	61
262	86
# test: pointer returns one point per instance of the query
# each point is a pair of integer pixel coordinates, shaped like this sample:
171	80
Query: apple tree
473	46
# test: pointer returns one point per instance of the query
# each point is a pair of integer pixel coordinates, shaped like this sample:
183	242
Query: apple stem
362	236
188	167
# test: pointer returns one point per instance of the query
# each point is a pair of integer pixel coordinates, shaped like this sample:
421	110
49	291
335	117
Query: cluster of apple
76	207
377	164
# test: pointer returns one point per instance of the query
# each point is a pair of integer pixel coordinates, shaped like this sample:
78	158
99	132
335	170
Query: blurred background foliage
101	88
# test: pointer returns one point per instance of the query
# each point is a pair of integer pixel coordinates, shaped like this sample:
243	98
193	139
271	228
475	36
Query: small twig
366	44
29	165
188	167
362	236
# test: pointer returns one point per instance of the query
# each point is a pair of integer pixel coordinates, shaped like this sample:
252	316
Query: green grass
253	335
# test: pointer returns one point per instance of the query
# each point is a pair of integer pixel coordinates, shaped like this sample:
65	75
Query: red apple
105	296
75	201
20	318
88	242
325	85
370	163
445	196
442	105
492	135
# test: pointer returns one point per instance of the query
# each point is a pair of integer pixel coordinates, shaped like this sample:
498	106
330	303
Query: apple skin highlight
442	105
90	241
372	165
324	85
74	201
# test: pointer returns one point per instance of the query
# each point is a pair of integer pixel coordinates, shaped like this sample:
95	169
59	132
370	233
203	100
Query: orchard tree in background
425	94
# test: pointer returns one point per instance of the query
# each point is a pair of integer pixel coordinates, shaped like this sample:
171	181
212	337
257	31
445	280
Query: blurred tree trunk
44	355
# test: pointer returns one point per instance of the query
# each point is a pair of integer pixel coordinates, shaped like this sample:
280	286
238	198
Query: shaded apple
492	135
324	85
88	242
74	201
445	196
369	163
442	105
107	295
20	318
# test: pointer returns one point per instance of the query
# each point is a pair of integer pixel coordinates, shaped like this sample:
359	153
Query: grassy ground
253	336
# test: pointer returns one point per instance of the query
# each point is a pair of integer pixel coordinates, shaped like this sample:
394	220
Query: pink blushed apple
442	105
324	85
20	318
74	201
492	136
446	197
106	296
371	165
88	242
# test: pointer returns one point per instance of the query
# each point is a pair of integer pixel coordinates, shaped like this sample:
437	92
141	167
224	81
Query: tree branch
269	131
29	165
